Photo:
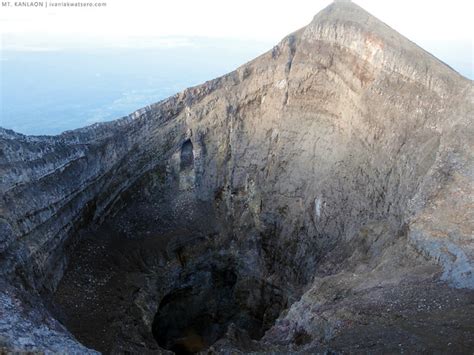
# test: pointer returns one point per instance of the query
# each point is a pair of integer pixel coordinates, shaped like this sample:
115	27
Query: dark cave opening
192	318
187	155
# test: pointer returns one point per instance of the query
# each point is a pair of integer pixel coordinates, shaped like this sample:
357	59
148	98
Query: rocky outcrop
336	164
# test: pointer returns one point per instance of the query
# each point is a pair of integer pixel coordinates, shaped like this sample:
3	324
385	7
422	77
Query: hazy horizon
48	91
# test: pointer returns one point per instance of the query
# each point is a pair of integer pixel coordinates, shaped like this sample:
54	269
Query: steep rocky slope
319	191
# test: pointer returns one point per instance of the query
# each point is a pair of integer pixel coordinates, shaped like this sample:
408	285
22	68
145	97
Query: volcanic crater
316	199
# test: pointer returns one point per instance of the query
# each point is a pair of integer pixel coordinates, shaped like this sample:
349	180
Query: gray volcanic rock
333	174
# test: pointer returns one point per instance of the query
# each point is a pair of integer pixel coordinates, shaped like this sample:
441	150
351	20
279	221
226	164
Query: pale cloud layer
244	19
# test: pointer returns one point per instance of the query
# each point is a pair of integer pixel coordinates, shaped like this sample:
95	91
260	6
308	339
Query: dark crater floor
121	294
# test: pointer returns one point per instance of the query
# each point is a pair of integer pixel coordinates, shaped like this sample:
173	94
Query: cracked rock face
319	192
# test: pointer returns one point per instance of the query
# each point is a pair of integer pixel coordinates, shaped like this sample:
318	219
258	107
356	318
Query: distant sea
45	91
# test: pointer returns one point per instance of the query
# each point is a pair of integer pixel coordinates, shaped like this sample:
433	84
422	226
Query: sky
444	28
243	19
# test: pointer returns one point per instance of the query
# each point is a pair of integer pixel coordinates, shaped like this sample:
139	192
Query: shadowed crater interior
191	318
